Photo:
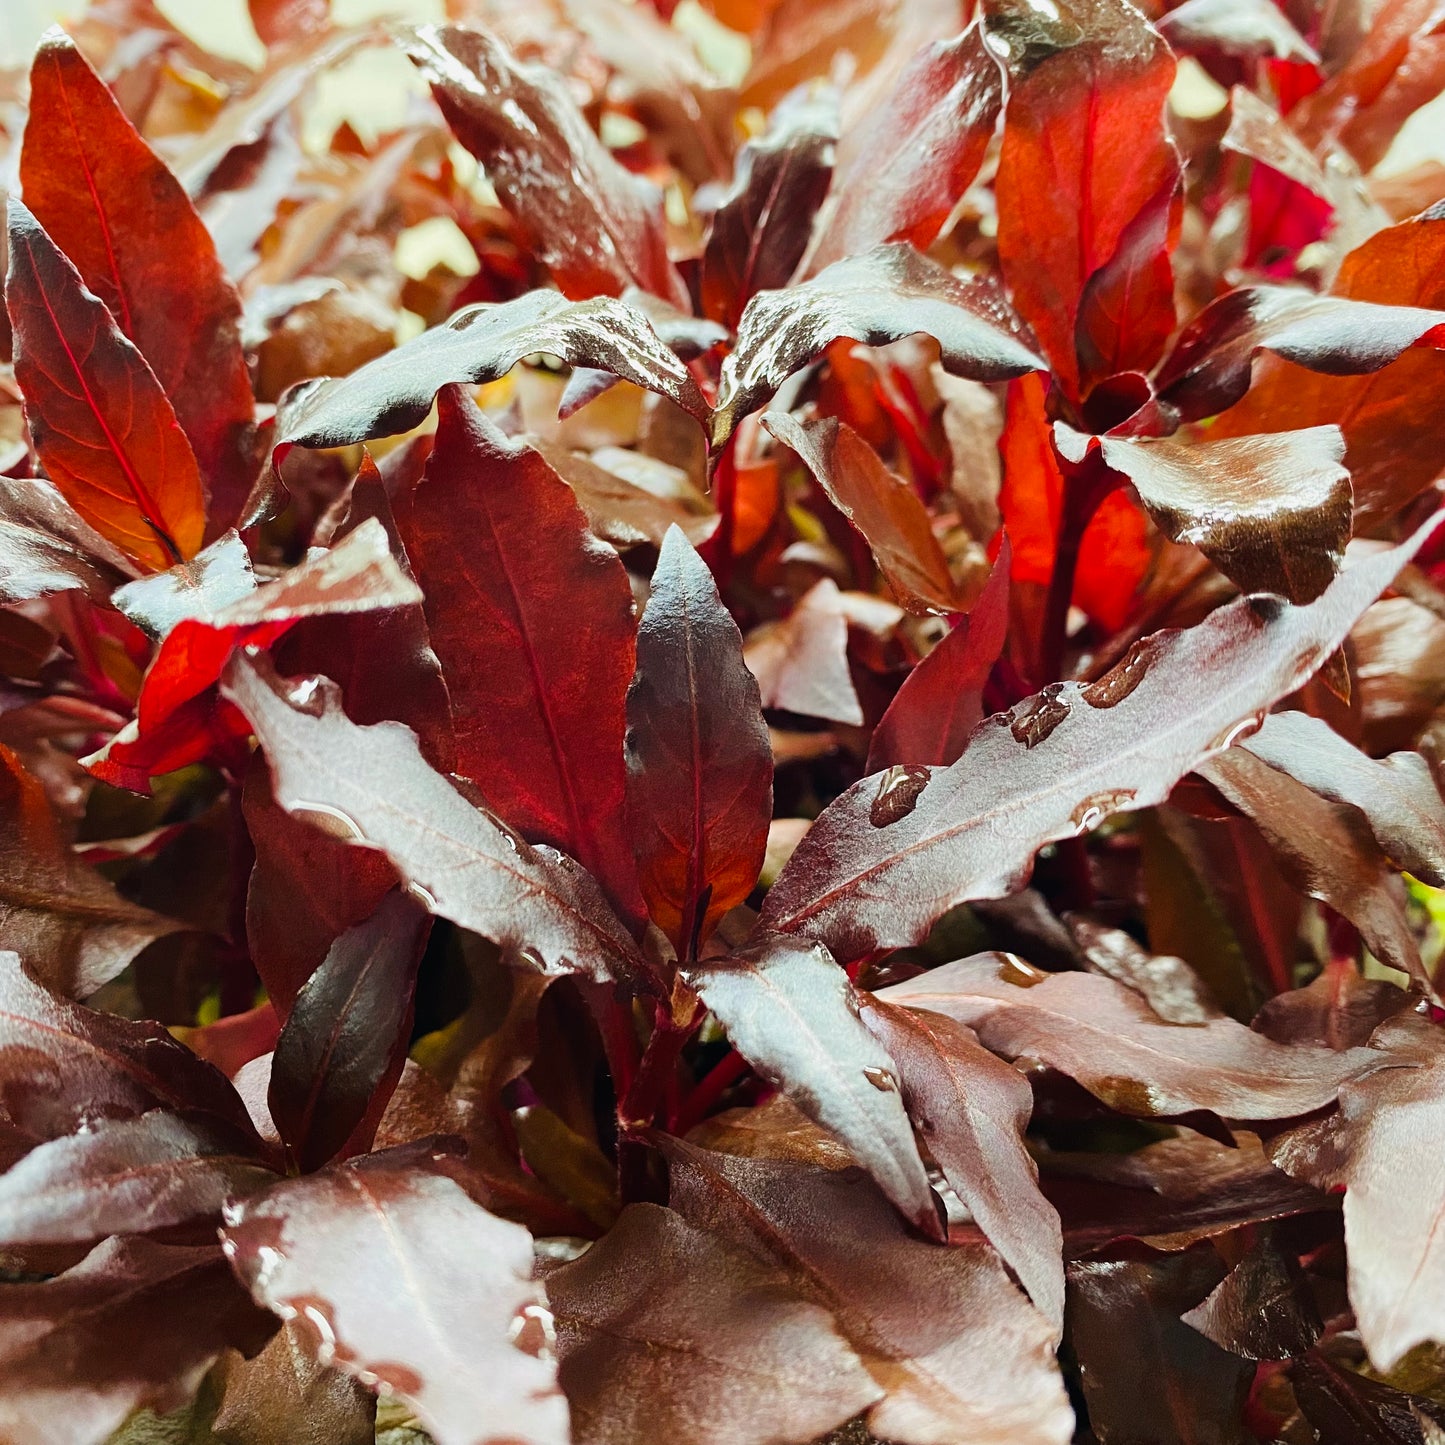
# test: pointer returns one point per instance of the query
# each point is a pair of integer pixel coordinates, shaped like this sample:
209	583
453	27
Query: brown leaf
888	293
98	417
133	1324
801	662
46	546
971	1110
438	1311
1398	795
597	227
669	1332
1262	1309
1167	984
1339	1009
956	1347
880	504
376	790
699	764
56	911
1108	1039
873	873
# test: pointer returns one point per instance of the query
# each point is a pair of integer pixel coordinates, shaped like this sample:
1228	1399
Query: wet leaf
46	546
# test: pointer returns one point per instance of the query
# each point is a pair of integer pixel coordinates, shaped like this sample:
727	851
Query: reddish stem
708	1090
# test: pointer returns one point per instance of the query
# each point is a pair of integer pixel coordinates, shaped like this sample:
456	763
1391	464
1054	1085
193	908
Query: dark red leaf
1086	181
99	419
886	294
955	1345
761	229
1263	1308
597	227
373	786
1167	984
531	617
792	1013
128	1176
124	220
941	700
347	1029
46	546
133	1324
1107	1038
871	874
916	155
210	581
801	661
405	1282
670	1331
971	1110
699	763
1347	1408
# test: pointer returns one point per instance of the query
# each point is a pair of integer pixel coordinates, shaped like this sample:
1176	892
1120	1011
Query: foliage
797	797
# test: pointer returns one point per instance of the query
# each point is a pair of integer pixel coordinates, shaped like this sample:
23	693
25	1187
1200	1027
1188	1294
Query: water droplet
331	820
1038	716
533	1331
1097	806
425	897
530	958
307	697
1014	970
898	792
1120	680
881	1079
1266	606
1245	728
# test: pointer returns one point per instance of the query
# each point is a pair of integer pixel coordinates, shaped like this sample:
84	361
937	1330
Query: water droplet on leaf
898	792
881	1079
1039	716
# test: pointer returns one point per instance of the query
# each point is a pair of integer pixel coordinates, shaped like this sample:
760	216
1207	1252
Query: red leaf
761	229
133	1324
670	1332
881	505
439	1309
126	223
971	1110
916	155
869	875
98	417
597	227
347	1029
374	787
1086	181
792	1013
531	617
699	763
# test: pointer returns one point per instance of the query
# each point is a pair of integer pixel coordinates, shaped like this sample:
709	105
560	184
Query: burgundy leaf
916	155
1167	984
56	911
941	700
98	417
971	1110
1208	367
1325	849
531	617
373	787
1339	1008
957	1348
1346	1408
64	1067
1272	513
1263	1308
1381	1148
1398	795
597	227
120	215
1086	154
1108	1039
133	1324
699	763
874	872
761	229
671	1332
440	1309
128	1176
880	504
210	581
792	1013
347	1029
395	392
888	293
1246	28
801	661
